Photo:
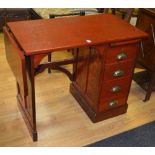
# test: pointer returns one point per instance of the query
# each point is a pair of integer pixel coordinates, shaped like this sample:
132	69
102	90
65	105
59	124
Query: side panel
23	70
82	68
16	61
96	68
88	73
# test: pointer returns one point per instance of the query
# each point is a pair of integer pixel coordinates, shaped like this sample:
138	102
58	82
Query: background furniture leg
49	60
150	87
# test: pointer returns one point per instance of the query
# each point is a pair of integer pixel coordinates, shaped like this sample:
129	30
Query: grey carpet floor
143	136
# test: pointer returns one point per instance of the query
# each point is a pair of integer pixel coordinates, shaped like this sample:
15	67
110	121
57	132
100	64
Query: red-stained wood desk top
46	35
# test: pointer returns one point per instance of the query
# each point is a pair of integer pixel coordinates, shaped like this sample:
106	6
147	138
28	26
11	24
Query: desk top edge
32	51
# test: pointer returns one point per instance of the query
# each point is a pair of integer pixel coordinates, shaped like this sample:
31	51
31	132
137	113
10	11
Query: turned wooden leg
49	60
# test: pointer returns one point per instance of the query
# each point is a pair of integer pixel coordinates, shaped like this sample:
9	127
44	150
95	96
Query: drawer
121	53
115	88
112	103
118	70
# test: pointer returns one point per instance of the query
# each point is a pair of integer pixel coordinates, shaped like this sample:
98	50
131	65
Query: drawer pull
118	73
116	89
113	103
121	56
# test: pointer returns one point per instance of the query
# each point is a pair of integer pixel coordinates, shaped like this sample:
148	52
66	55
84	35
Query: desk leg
29	110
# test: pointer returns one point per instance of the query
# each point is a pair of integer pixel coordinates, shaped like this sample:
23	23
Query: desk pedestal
102	78
93	115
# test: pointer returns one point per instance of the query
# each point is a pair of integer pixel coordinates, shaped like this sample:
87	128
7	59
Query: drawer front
111	103
115	88
118	70
121	53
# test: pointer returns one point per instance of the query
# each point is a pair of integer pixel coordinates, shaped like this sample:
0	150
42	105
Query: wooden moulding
95	116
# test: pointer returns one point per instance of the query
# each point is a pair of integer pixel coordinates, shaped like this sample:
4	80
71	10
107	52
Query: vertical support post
49	60
31	96
27	103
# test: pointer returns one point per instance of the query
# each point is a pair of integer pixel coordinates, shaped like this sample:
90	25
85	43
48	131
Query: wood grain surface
64	33
61	121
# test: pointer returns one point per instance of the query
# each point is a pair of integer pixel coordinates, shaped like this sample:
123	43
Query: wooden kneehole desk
104	51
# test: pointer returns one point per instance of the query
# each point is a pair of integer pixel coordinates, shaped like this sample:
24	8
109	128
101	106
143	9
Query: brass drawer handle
116	89
121	56
118	73
113	103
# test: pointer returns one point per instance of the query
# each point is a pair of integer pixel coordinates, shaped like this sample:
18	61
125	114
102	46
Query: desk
105	48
